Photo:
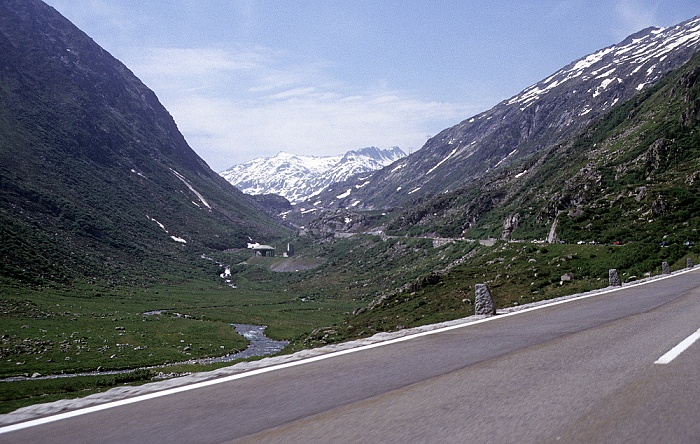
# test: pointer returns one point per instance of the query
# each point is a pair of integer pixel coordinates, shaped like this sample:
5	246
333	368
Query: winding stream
260	345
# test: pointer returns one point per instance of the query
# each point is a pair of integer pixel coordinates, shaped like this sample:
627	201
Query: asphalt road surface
584	371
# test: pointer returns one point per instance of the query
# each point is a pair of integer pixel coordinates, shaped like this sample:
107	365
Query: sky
249	78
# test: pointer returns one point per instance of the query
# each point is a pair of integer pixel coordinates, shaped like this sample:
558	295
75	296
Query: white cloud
187	62
233	105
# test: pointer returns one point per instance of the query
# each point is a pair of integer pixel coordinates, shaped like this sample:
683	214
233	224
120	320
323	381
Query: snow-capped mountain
298	178
537	119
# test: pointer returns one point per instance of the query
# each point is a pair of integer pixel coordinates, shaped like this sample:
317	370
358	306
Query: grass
517	273
86	325
89	325
17	394
23	393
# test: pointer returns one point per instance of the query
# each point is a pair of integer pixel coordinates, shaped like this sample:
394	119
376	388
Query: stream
260	345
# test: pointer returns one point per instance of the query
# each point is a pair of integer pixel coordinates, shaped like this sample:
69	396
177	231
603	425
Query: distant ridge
298	178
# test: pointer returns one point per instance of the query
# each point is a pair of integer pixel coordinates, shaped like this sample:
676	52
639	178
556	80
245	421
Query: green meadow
187	313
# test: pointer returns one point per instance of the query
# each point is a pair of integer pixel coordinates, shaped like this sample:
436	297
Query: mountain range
96	179
539	118
298	178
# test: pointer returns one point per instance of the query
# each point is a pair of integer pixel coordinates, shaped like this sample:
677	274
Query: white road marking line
678	349
186	388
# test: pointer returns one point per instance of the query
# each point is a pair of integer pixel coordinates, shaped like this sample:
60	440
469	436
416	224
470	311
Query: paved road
583	371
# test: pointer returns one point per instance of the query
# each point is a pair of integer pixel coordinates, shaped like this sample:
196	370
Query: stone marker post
483	301
614	278
665	268
689	262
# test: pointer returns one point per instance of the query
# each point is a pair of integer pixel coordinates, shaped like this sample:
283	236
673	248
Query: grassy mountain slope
96	179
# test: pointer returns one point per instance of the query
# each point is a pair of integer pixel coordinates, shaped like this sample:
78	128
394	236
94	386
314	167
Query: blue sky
247	78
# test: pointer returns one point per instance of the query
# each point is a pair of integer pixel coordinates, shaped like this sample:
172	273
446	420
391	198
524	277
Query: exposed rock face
483	300
340	221
656	153
509	225
614	278
272	203
641	194
552	236
659	207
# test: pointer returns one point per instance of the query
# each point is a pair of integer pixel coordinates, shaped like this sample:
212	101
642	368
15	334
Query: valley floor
122	393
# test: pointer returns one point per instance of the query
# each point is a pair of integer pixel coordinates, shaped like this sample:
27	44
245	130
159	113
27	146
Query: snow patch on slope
656	44
443	161
195	192
175	238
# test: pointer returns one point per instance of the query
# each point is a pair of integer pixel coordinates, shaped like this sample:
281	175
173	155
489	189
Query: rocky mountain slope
622	193
539	118
633	175
96	179
298	178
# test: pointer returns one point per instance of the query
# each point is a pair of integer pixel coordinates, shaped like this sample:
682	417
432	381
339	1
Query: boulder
568	277
665	268
483	300
689	263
